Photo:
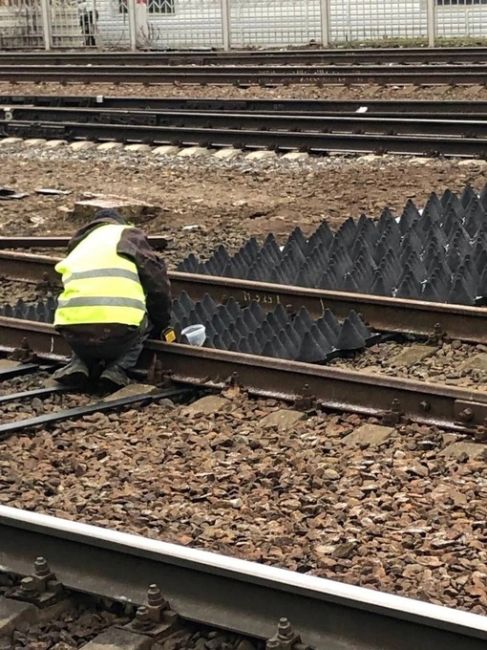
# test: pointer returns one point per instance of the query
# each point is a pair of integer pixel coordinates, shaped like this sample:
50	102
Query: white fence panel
112	24
358	20
239	23
67	24
21	24
274	23
185	23
461	18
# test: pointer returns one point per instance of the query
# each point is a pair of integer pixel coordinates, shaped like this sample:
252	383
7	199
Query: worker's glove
168	335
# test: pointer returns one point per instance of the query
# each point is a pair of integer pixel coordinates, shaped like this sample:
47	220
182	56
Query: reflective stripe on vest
100	286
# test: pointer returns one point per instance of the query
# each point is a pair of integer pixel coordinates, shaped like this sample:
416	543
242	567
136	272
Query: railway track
352	56
251	121
302	382
214	590
248	75
416	108
309	132
413	317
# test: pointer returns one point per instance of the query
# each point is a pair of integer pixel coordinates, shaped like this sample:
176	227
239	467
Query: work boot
113	378
75	374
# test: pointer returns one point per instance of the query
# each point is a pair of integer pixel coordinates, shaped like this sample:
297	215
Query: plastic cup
195	334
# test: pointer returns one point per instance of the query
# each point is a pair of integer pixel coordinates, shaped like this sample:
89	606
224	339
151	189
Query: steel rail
382	313
459	75
202	57
459	409
431	145
159	242
411	108
252	121
226	592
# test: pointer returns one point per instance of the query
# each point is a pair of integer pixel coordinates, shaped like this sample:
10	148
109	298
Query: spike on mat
383	257
297	337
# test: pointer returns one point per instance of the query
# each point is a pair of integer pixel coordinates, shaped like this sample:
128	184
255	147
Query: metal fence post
46	24
226	27
431	21
325	22
132	24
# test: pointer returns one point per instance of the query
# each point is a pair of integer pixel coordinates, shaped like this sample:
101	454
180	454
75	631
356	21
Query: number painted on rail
262	298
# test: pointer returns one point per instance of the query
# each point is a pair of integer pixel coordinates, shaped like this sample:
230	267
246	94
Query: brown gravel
400	518
72	629
27	408
226	201
295	91
444	366
23	383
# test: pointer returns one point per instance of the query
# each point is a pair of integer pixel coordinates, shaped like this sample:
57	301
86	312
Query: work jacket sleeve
152	274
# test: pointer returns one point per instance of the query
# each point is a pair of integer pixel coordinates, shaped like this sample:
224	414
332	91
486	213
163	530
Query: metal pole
226	27
132	24
46	24
431	20
325	22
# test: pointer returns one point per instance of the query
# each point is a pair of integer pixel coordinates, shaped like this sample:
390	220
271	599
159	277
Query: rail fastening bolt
155	597
466	415
142	619
272	643
284	629
41	567
28	585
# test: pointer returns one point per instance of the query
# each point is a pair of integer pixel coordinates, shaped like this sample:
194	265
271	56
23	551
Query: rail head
224	590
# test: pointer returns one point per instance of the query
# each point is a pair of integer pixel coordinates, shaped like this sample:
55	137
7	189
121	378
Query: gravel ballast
450	362
396	512
292	91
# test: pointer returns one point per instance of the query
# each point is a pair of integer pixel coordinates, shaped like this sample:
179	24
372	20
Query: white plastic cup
195	334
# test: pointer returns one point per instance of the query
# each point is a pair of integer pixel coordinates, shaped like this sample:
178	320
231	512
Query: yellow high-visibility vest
100	286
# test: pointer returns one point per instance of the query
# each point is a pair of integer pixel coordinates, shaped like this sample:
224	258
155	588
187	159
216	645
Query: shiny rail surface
382	313
235	594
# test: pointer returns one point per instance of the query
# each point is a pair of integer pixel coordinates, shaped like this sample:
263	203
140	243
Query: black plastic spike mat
248	329
436	254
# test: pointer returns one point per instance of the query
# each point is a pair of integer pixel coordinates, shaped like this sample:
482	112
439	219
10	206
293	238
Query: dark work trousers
112	344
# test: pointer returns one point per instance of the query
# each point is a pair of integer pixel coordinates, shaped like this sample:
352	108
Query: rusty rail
334	388
382	313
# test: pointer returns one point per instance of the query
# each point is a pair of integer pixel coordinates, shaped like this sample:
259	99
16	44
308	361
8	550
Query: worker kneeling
116	294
